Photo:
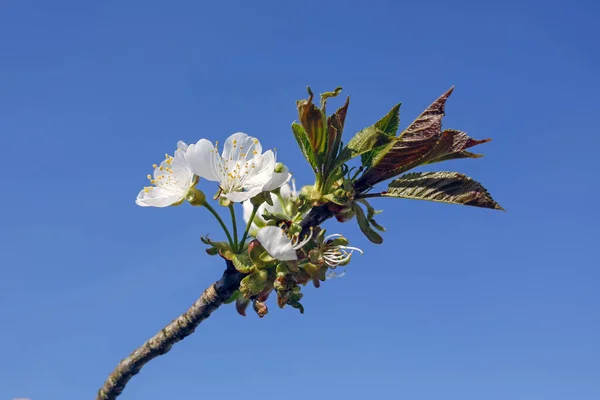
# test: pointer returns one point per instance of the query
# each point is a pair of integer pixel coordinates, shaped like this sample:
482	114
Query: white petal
276	243
277	180
247	208
200	158
285	191
277	207
262	172
239	143
182	174
238	197
181	145
157	197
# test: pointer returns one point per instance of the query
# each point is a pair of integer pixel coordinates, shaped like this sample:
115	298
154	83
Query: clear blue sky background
459	303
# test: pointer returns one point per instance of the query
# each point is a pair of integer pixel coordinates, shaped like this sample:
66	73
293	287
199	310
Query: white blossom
242	170
171	181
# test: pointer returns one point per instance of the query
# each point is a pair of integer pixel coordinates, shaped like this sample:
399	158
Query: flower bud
196	197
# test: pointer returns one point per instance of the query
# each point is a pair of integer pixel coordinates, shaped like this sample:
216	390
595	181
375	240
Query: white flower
279	245
280	206
171	182
335	255
242	170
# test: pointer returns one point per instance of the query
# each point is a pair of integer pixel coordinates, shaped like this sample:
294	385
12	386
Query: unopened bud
196	197
279	167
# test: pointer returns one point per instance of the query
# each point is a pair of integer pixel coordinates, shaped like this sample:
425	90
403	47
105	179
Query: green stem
214	212
235	233
254	210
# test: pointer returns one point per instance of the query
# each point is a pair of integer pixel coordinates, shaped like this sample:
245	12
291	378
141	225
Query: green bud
282	269
196	197
224	201
279	167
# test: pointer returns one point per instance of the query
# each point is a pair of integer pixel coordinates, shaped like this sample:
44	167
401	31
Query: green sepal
371	212
254	283
364	225
255	249
243	263
241	304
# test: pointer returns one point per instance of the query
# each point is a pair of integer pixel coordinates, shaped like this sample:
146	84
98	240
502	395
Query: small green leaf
327	95
254	283
390	123
364	225
366	140
304	144
445	187
371	212
243	263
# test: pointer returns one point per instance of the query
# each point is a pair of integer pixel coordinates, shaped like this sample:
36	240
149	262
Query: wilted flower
335	254
277	243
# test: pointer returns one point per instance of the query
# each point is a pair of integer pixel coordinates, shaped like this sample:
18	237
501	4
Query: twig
186	324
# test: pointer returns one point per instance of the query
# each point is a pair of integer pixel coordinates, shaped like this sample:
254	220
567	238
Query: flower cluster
274	252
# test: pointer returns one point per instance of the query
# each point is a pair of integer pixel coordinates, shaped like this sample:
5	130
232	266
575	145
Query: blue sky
458	303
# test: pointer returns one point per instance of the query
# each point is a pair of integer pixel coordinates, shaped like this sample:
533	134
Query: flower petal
238	197
286	191
181	145
239	143
262	172
157	197
276	243
277	180
200	157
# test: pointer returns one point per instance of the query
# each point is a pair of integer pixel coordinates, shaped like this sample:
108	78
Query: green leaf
408	149
390	123
304	144
445	187
364	225
364	141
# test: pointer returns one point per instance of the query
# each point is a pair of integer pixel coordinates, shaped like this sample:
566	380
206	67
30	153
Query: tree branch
186	324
